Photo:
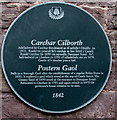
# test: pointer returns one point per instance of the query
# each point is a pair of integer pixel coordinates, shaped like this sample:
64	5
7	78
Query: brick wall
104	106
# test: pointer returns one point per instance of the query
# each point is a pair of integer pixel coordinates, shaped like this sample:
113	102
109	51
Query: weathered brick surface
115	69
111	83
8	15
32	1
112	18
112	34
104	105
5	87
98	13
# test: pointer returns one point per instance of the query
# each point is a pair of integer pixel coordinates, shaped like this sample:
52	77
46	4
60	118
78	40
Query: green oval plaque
56	57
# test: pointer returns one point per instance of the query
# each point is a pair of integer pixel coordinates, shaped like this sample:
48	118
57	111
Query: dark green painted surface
36	24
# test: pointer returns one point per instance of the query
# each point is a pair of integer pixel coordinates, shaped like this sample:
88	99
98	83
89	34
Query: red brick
112	18
98	13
